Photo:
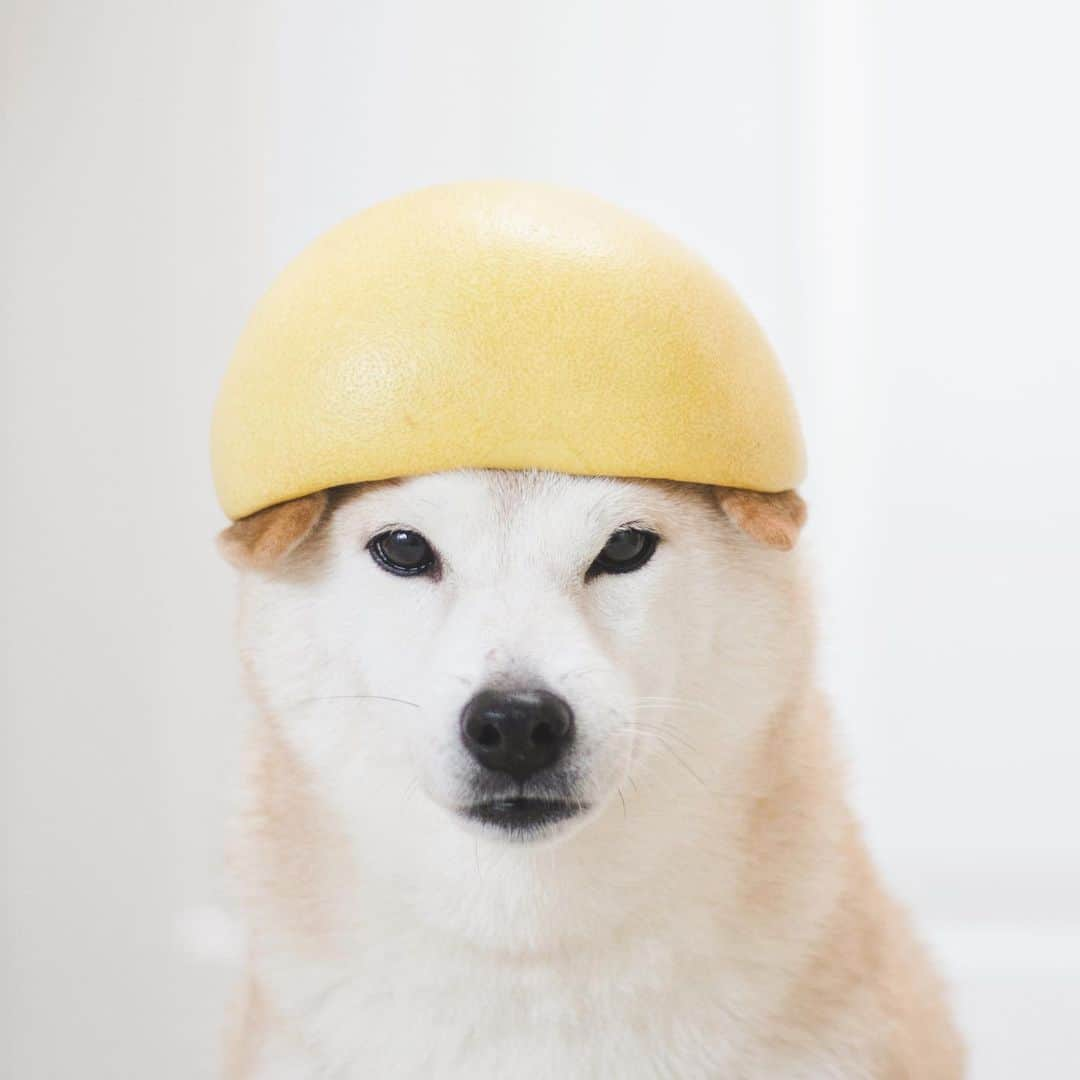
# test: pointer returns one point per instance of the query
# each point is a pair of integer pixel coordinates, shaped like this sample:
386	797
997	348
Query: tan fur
288	859
771	519
864	954
246	1029
262	540
808	900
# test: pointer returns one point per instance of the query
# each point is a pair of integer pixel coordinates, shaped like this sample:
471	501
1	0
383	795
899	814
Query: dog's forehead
516	499
494	504
497	503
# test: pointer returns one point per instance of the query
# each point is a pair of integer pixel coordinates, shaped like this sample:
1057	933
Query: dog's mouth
521	815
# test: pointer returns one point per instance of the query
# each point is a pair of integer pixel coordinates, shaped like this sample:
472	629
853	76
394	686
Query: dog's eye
404	552
626	550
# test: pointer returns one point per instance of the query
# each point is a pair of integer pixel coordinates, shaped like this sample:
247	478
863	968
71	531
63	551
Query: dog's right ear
263	539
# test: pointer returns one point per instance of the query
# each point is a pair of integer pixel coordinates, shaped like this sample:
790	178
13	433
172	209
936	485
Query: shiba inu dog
541	786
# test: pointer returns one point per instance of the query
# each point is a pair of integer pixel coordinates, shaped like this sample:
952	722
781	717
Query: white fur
617	947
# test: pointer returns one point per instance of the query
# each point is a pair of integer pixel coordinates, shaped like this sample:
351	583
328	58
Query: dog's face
518	657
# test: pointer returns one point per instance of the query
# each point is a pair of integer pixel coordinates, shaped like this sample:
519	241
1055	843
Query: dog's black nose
517	732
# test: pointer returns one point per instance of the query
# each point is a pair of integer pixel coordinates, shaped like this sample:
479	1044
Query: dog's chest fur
654	1005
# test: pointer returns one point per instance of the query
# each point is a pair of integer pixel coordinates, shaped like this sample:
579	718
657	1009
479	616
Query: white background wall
892	186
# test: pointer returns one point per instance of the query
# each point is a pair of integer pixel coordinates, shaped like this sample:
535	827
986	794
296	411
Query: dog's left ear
264	539
772	519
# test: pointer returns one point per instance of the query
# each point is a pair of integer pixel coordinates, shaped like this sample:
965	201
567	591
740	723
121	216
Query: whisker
670	732
672	703
580	673
358	697
667	746
629	731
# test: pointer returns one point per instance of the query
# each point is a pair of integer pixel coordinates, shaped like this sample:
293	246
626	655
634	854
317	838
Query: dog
540	785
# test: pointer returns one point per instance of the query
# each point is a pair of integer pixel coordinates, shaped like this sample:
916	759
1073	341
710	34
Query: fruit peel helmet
499	325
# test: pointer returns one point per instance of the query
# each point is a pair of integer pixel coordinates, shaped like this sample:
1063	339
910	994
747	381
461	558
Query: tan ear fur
263	539
771	519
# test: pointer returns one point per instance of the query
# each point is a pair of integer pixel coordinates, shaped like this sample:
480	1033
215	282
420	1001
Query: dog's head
518	655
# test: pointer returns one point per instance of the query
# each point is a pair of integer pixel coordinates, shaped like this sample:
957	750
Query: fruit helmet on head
499	325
